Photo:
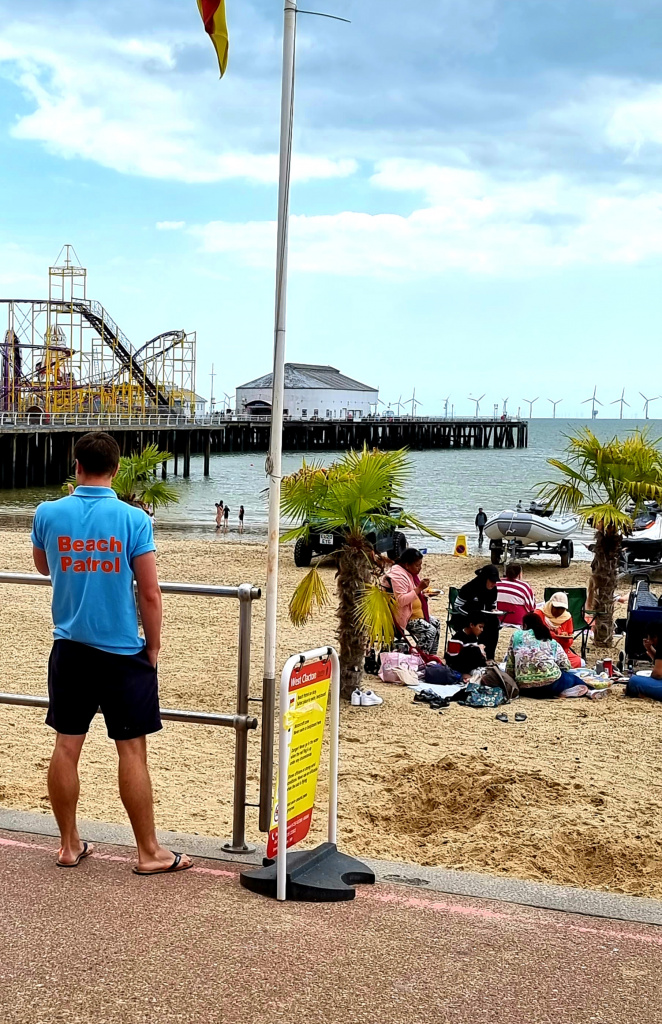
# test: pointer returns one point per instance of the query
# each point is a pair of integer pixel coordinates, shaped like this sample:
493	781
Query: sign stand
321	875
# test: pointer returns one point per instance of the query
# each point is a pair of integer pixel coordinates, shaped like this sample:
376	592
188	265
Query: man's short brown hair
513	570
97	453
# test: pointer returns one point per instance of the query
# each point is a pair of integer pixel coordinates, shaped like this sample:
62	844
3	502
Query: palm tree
356	496
606	484
135	481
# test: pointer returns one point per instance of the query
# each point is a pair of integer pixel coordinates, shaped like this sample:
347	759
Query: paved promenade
98	945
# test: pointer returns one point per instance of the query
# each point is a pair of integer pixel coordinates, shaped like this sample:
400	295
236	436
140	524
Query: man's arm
40	560
149	602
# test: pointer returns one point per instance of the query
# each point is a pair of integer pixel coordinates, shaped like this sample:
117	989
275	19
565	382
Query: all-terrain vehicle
390	542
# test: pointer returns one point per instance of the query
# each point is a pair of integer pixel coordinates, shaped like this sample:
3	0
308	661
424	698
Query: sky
476	197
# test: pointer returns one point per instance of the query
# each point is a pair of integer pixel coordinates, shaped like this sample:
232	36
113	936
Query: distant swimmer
241	519
226	518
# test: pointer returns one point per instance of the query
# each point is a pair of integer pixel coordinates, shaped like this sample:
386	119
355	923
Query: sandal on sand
520	717
502	717
171	870
85	852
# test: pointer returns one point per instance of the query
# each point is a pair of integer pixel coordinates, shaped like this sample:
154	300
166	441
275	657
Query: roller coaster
67	354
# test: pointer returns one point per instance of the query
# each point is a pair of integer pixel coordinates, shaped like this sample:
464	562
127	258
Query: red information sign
304	718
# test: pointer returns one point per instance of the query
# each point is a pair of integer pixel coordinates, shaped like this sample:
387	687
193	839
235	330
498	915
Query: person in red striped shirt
514	596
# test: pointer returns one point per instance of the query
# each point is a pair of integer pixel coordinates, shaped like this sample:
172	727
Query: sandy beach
572	796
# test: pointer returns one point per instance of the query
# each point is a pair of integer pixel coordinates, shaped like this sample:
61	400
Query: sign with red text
304	719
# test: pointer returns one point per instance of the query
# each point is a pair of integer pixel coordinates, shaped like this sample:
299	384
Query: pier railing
241	722
180	419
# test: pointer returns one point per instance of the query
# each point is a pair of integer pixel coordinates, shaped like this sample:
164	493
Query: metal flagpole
274	459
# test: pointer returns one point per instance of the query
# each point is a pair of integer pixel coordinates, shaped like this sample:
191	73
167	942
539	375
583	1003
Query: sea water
445	489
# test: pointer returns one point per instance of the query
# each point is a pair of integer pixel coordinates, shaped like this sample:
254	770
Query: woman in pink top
411	611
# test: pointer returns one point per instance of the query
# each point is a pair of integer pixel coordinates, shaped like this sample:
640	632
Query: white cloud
170	225
119	103
472	223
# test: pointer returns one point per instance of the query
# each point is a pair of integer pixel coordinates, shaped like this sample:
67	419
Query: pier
36	449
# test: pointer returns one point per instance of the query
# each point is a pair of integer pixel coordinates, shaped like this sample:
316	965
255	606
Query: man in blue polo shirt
94	546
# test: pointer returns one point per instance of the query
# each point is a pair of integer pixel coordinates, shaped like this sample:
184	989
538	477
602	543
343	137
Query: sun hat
557	600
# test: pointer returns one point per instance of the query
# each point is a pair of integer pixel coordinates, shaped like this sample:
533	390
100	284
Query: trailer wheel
303	554
399	546
566	555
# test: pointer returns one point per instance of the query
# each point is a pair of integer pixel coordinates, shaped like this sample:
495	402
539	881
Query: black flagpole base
321	875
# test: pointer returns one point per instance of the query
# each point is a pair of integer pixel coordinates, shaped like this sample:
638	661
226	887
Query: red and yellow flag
213	16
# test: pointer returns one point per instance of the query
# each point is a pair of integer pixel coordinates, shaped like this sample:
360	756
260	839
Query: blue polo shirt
91	539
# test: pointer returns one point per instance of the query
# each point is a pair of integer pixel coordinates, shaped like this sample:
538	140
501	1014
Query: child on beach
241	519
226	518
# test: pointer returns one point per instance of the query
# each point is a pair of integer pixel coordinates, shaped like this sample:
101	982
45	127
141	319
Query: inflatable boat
535	530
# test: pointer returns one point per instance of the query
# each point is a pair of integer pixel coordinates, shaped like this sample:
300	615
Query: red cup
609	667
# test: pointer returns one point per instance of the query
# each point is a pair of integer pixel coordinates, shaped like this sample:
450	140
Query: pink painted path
98	945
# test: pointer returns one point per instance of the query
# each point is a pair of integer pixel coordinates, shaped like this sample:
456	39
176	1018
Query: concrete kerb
564	899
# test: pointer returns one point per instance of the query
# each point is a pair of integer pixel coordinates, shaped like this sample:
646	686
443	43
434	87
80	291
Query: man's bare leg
63	790
136	793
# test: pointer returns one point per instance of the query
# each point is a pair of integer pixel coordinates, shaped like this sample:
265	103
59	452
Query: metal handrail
241	721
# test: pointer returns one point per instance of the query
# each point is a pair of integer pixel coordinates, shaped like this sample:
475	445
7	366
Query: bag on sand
391	660
495	676
478	695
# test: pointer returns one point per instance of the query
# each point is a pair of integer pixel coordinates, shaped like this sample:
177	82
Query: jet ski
645	542
531	531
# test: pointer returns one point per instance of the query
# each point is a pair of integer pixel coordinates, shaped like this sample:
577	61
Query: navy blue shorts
83	680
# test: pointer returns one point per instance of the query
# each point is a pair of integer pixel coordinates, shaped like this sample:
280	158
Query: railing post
239	844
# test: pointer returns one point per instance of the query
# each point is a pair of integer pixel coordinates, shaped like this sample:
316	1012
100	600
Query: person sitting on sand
514	597
649	686
411	611
470	654
479	597
558	620
538	664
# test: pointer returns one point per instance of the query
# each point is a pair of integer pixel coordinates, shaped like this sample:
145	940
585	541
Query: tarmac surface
98	944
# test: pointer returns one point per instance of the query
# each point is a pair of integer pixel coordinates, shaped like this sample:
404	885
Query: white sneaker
370	699
356	697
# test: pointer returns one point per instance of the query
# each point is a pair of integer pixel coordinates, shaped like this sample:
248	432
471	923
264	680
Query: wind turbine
399	405
530	402
505	407
594	401
413	402
228	399
446	401
621	401
477	401
647	402
554	405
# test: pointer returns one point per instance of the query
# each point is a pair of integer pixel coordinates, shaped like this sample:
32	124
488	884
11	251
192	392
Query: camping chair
452	598
577	608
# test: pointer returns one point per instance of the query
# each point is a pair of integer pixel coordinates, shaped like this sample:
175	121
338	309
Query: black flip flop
172	869
85	852
520	717
502	717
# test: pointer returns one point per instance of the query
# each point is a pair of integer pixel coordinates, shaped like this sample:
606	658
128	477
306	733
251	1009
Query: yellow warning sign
461	546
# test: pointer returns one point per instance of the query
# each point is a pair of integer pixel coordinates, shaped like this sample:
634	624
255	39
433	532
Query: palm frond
375	614
602	481
311	593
